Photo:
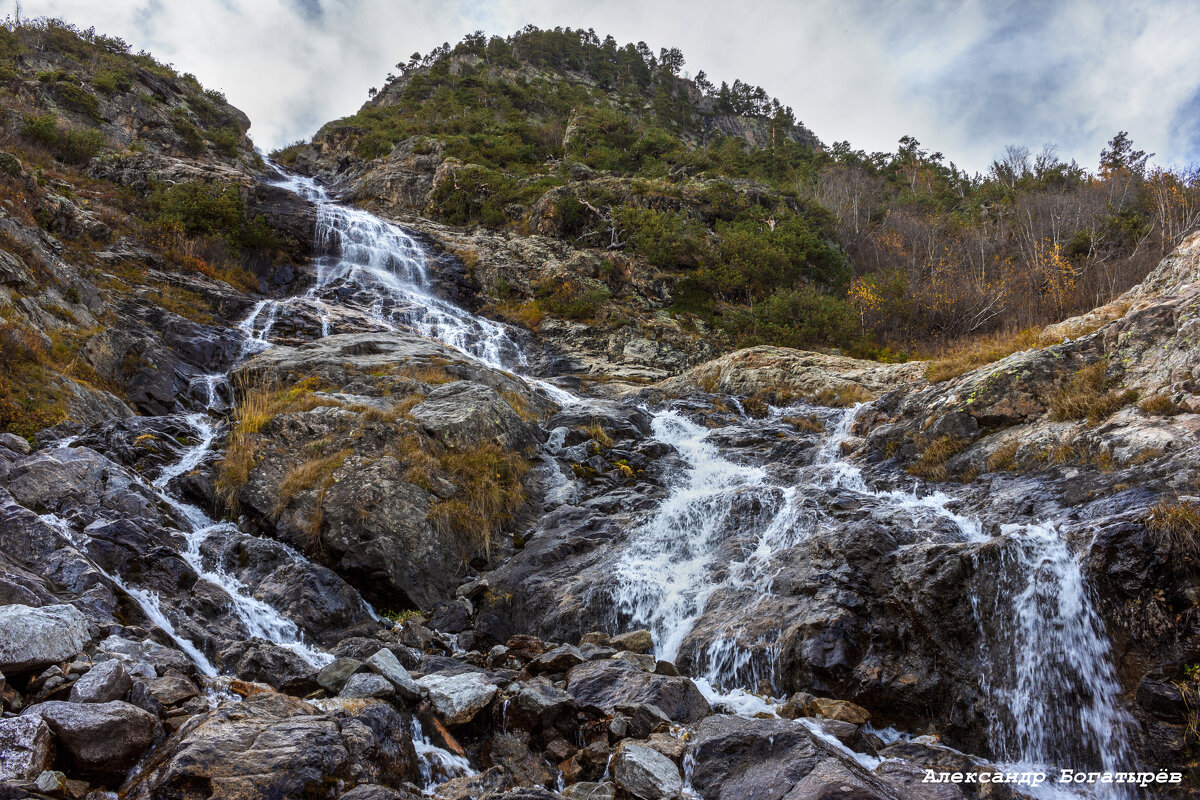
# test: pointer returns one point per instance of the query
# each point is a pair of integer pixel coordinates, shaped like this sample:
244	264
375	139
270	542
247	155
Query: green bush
112	80
193	137
226	141
796	318
667	239
572	297
73	145
200	208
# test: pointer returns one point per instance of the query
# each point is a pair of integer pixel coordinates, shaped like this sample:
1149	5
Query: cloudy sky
965	78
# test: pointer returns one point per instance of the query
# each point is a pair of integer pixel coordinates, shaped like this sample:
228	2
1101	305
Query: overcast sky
965	78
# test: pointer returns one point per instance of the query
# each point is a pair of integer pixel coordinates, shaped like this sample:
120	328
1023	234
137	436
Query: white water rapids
1057	698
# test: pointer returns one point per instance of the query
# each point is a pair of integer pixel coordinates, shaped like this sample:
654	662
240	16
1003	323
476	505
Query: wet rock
646	663
25	748
539	705
634	642
367	685
646	773
32	638
464	414
384	662
522	767
369	791
451	616
612	683
458	698
101	739
104	682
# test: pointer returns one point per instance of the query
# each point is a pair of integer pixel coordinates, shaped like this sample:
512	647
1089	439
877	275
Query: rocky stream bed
718	586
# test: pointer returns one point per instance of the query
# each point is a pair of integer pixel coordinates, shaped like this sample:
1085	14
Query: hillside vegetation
758	228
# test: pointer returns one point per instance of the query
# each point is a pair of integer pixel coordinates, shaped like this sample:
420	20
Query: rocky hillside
285	511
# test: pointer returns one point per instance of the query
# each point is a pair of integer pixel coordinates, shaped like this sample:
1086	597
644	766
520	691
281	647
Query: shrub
225	140
799	318
666	239
1004	458
73	145
572	297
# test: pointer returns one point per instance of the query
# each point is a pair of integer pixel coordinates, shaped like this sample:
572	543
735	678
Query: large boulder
610	683
34	638
103	740
272	745
25	748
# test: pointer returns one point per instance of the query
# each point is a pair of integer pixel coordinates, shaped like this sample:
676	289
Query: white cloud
964	78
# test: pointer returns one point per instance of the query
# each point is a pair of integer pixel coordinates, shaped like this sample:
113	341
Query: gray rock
364	685
458	698
51	782
584	790
385	663
560	659
646	663
24	748
32	638
333	676
18	444
171	690
646	774
102	739
611	683
103	683
273	745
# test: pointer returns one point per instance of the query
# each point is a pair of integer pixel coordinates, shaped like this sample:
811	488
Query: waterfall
1057	698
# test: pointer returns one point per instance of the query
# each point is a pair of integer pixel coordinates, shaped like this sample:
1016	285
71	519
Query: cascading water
1060	687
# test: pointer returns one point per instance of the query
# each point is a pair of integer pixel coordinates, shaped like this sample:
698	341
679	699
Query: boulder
333	676
24	748
839	709
171	690
273	745
33	638
646	774
585	790
103	683
634	642
263	662
458	698
385	663
611	683
103	740
366	685
560	659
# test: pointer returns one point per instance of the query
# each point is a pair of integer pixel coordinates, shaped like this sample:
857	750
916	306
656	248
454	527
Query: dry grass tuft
306	475
1086	396
1004	459
596	431
1160	405
490	490
843	397
930	463
433	374
958	358
1176	523
810	422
